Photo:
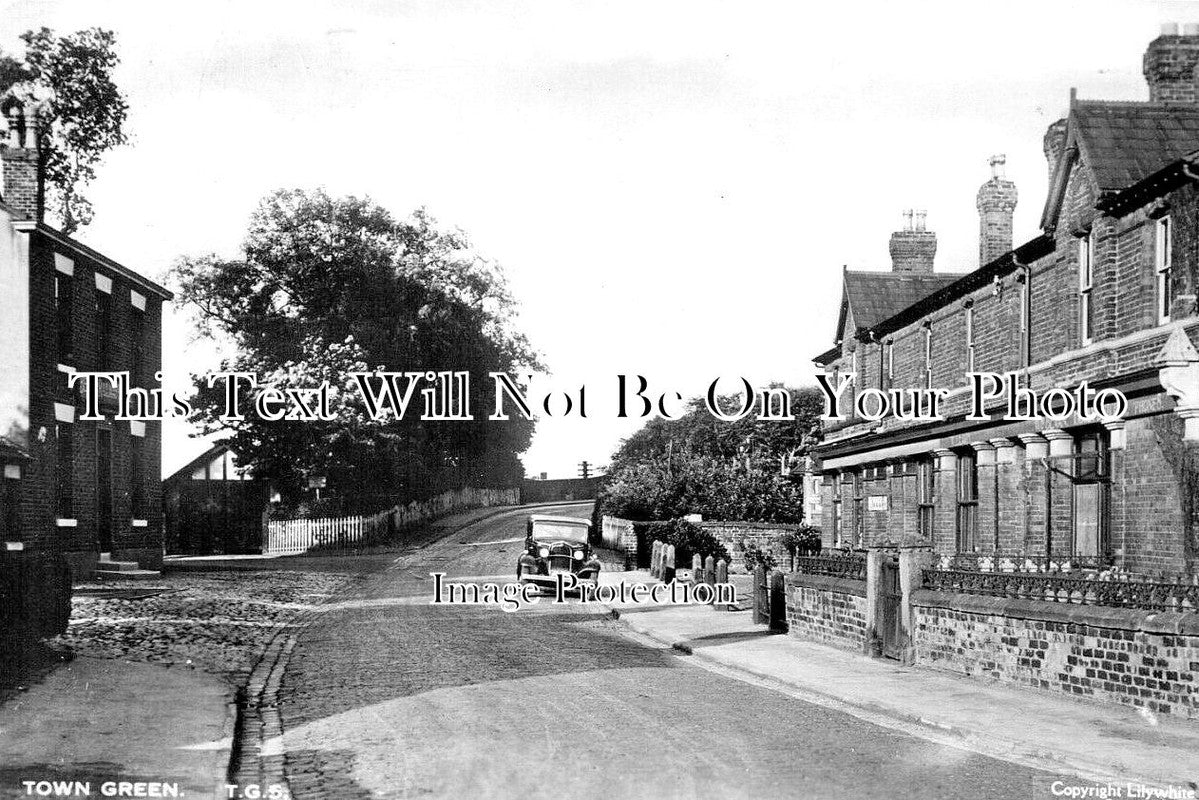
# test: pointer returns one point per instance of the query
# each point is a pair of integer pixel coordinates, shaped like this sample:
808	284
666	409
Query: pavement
1095	741
97	719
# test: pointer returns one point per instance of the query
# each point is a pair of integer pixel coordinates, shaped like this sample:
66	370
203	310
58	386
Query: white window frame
1086	284
890	345
1163	262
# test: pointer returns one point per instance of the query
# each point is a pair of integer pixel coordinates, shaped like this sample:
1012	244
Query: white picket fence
288	537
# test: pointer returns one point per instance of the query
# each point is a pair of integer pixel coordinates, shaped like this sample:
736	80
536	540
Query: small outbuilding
212	505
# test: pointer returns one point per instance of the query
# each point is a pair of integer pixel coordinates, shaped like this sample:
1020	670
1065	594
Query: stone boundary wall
737	536
1137	658
827	610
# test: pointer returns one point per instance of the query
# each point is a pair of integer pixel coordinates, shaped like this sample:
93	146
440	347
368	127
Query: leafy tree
722	470
66	82
328	286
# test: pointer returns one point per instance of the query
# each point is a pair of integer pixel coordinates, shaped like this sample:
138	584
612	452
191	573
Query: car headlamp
544	552
578	554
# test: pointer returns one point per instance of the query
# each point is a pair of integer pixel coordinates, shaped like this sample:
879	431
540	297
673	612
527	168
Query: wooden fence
288	537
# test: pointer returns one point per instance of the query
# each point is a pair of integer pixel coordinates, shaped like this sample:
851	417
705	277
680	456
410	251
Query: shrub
755	557
689	539
803	542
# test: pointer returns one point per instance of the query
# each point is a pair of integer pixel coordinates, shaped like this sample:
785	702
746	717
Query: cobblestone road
387	696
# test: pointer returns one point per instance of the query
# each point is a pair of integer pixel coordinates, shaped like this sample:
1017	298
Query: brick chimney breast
996	203
1169	65
913	248
20	189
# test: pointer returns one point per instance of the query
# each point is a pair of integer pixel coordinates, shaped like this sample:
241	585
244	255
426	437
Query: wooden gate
890	597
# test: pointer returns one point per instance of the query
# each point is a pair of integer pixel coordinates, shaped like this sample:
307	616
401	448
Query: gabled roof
869	298
211	454
1121	144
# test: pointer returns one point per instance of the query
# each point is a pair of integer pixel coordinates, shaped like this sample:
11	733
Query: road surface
389	696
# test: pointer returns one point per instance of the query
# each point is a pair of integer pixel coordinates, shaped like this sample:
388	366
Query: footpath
1083	739
147	689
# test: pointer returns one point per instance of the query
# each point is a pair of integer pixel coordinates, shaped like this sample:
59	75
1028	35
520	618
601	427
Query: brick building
1103	295
1057	552
72	488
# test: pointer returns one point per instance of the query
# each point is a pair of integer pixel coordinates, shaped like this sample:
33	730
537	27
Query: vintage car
555	546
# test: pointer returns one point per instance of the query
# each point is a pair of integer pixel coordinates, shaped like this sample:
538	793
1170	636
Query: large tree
67	83
704	465
329	286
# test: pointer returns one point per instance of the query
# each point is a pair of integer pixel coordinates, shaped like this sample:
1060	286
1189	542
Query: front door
890	597
104	489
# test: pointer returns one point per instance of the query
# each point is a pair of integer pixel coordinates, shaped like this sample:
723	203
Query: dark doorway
104	489
890	597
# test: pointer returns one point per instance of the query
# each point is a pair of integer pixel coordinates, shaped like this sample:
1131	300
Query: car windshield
560	532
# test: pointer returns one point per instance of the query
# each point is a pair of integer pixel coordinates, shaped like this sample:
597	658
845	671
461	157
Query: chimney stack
1054	143
1169	64
22	189
996	201
913	248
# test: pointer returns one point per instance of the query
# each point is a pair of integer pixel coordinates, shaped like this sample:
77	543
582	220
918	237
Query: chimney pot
1169	29
1190	29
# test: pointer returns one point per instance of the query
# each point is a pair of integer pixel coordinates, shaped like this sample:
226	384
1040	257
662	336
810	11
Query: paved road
387	696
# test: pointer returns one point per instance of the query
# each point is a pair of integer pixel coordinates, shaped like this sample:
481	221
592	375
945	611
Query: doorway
104	489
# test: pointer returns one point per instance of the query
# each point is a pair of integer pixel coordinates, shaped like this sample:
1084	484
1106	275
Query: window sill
140	523
66	523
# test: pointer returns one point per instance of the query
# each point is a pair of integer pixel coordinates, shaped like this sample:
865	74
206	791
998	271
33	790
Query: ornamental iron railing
1020	562
851	566
1077	589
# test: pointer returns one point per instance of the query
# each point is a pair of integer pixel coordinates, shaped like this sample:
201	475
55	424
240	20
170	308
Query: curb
1010	750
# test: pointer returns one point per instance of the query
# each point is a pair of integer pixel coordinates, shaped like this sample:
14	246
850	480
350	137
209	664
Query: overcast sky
672	188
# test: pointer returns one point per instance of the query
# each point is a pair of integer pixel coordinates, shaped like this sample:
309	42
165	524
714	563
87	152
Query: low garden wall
827	609
1134	657
737	537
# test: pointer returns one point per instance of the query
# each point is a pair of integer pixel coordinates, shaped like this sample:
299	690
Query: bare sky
673	188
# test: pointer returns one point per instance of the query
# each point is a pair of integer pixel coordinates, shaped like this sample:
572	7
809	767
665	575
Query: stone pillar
1010	506
1061	501
1036	450
874	567
945	500
988	512
912	563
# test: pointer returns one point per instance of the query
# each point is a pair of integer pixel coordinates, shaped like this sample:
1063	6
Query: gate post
697	568
761	597
912	563
722	576
710	571
778	602
668	570
873	645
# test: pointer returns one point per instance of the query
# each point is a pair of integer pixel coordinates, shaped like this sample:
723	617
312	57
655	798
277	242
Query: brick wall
37	507
1135	658
739	536
828	610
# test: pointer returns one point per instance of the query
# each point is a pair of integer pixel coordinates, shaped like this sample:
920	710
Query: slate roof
877	296
1123	143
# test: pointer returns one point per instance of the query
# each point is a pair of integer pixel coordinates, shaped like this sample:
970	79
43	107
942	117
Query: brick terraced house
1056	553
74	492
